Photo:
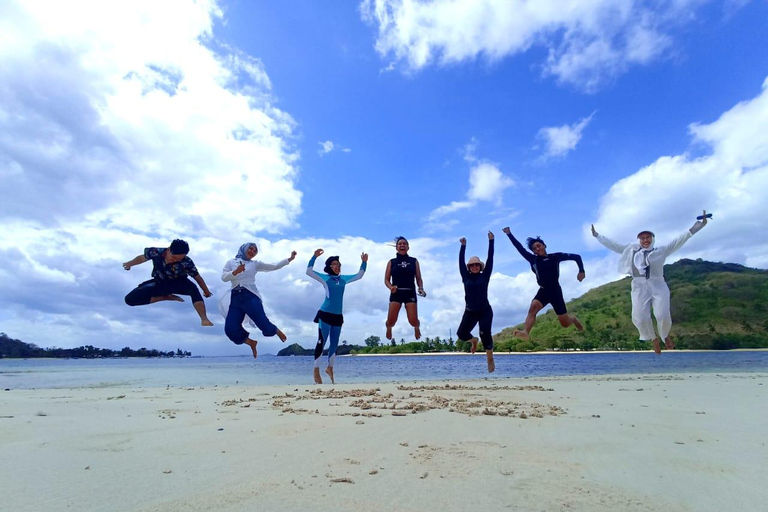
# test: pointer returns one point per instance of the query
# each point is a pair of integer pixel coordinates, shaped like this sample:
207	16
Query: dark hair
530	241
328	262
179	247
398	238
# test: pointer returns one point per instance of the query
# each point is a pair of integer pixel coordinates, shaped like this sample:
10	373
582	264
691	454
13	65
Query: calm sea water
273	370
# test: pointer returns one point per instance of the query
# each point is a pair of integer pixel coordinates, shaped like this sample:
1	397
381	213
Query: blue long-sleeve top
334	286
546	268
476	285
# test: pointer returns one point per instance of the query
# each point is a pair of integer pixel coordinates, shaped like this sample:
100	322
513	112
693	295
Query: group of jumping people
242	304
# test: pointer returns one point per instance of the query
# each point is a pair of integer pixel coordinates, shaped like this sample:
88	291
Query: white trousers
647	294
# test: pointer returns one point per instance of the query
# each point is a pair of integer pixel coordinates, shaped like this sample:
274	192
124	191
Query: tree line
13	348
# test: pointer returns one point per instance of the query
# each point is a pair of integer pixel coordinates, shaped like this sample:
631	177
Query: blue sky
343	124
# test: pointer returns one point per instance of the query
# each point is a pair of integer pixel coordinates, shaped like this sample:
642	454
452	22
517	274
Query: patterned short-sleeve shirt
162	270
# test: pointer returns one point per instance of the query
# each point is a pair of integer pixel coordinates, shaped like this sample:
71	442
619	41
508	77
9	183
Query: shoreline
556	352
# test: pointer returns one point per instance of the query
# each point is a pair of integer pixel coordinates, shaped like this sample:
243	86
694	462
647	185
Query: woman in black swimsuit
401	274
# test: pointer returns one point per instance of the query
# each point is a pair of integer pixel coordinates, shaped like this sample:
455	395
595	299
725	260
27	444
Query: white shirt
245	279
655	258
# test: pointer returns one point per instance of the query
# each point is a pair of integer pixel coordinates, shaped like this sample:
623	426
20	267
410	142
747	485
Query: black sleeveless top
403	270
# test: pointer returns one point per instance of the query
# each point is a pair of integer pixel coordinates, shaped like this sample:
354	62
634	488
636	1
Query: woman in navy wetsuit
402	271
547	270
475	275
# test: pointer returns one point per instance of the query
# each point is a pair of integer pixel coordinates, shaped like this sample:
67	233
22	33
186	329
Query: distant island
13	348
715	306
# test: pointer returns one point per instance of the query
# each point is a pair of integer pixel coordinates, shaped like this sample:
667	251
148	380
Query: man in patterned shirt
170	268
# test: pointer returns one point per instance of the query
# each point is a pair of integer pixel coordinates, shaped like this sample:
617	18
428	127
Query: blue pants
243	303
325	332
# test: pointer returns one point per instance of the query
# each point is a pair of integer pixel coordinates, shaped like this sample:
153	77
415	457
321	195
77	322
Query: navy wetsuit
478	309
403	272
547	270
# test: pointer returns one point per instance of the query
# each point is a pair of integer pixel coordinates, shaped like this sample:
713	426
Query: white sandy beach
614	443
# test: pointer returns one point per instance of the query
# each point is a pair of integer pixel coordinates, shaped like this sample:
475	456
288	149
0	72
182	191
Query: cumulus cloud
121	131
730	181
560	140
588	43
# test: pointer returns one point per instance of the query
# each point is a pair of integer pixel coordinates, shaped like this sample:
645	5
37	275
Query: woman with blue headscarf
244	298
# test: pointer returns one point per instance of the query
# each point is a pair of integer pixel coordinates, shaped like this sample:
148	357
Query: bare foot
206	322
473	341
656	346
318	380
281	335
329	371
417	332
578	325
388	334
521	334
490	361
252	343
669	344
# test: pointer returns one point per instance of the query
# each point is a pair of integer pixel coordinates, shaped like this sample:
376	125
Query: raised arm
462	258
529	257
310	271
489	260
678	242
361	272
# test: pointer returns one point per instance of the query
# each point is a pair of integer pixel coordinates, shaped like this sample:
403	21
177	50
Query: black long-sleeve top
546	268
476	285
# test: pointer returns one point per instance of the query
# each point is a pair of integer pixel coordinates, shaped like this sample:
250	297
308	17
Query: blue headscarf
243	248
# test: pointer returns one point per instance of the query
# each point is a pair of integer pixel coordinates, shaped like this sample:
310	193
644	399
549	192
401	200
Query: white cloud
666	195
589	42
560	140
328	146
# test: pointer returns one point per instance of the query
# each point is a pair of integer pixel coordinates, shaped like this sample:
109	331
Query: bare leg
473	341
489	360
318	380
567	320
413	318
166	297
394	311
656	345
281	335
252	343
200	308
329	371
669	343
530	320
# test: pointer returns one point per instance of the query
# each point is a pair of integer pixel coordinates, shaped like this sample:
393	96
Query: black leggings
143	293
470	320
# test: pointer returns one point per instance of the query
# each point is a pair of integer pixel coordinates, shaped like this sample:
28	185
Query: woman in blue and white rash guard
329	318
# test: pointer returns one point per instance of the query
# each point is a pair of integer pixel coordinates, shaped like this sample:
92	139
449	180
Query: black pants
143	293
470	320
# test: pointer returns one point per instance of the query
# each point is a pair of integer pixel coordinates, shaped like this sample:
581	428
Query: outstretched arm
138	260
607	242
678	242
530	258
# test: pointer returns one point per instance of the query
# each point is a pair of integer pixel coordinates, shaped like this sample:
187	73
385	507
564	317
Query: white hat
475	259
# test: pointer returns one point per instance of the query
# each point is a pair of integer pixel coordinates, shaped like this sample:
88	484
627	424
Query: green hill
714	306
